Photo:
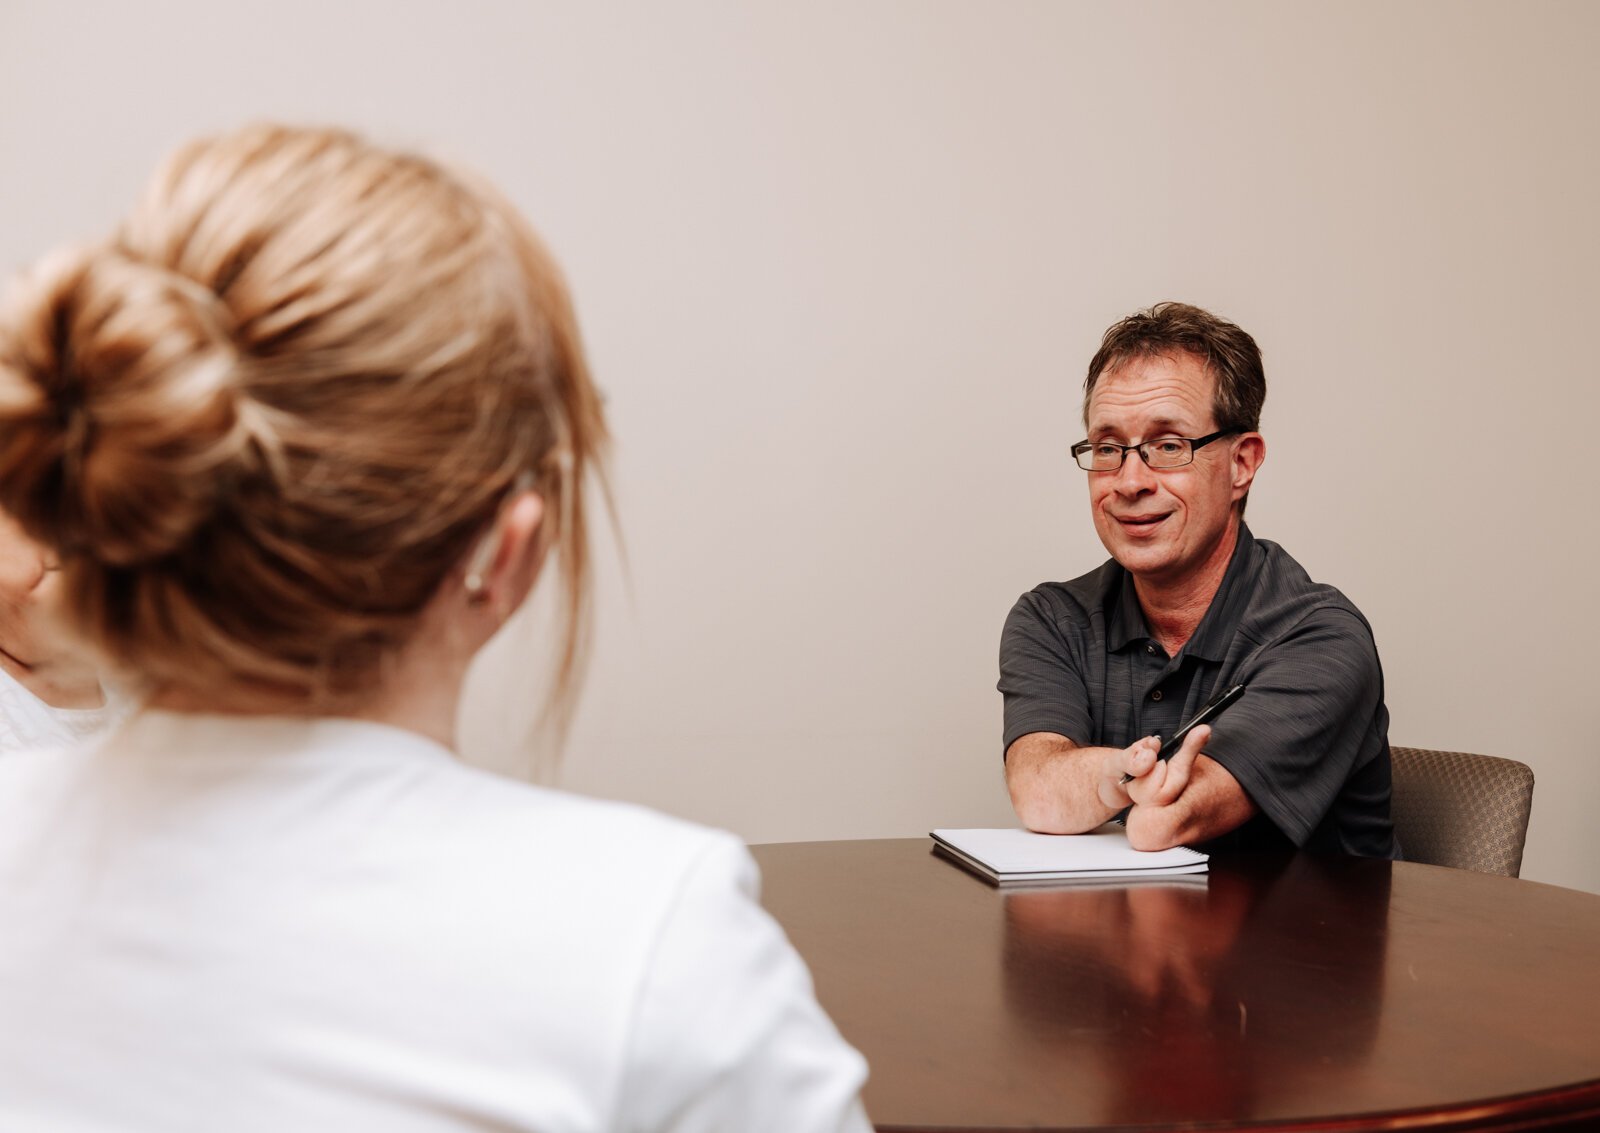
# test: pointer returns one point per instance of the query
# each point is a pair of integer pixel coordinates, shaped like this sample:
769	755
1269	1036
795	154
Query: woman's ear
503	566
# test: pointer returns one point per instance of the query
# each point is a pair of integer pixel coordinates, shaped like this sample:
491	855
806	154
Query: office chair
1456	809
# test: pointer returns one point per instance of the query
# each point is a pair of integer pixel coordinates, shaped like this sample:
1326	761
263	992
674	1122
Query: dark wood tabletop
1273	993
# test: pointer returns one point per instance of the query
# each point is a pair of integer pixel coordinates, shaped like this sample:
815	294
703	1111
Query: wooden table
1289	993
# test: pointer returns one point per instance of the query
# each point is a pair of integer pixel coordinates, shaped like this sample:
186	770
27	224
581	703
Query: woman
301	435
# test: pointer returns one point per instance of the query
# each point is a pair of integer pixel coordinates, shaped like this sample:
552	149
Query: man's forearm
1054	784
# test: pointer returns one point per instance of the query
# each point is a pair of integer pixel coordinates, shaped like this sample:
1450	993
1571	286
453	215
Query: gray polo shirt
1308	742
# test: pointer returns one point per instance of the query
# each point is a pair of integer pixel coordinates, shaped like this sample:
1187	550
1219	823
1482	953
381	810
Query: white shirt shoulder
332	924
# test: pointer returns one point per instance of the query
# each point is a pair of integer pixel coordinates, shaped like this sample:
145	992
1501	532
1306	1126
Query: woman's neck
418	698
60	685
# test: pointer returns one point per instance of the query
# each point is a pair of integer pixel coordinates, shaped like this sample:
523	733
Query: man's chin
1141	558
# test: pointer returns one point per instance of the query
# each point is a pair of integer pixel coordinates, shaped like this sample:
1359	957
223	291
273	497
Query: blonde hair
263	422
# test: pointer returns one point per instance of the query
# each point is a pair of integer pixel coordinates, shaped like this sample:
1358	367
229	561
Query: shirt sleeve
1293	738
728	1032
1041	676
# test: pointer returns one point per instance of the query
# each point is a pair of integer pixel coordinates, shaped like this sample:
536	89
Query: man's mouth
1141	522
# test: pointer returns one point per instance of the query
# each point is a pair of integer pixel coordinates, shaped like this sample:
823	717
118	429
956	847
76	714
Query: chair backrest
1457	809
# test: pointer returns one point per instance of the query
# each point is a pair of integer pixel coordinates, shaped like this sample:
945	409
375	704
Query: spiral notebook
1021	857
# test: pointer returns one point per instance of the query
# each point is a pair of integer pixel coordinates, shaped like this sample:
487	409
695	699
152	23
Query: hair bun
120	406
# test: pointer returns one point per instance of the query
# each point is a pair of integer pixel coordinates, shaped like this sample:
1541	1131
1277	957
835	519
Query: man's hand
1136	761
1189	798
1163	783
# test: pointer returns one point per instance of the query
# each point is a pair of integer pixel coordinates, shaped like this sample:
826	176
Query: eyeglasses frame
1195	445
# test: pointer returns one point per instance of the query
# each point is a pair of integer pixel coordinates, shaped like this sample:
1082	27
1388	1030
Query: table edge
1556	1108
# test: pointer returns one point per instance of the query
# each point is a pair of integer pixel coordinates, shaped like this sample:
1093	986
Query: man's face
1164	525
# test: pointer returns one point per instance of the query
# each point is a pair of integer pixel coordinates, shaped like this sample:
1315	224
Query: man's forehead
1154	391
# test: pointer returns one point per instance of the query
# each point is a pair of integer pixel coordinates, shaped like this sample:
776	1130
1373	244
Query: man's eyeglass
1163	452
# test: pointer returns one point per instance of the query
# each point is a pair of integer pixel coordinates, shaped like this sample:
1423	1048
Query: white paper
1100	853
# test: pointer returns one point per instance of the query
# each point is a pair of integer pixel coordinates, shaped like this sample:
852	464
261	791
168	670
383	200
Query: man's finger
1140	758
1181	765
1121	767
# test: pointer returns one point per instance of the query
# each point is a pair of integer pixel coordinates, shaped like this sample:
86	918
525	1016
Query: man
1094	671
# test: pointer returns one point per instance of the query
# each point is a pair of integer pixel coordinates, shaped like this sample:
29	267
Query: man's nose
1134	477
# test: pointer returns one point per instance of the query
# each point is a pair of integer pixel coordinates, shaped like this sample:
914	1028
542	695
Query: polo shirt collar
1216	629
1125	623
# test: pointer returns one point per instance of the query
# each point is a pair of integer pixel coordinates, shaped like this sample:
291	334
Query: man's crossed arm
1058	787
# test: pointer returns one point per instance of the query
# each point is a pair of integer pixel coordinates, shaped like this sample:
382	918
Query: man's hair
1170	328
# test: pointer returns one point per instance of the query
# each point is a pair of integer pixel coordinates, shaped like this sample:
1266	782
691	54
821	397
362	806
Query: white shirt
28	722
280	924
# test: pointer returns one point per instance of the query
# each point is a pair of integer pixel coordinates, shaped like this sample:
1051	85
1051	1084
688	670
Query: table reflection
1197	995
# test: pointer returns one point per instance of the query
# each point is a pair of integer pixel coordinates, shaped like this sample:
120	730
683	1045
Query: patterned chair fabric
1456	809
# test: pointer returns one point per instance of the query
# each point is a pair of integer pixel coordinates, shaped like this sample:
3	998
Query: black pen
1210	712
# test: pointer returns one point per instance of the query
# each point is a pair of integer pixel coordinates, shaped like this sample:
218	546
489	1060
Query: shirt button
1156	695
1149	648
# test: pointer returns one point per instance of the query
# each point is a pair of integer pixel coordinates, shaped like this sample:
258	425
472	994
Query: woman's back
302	435
274	923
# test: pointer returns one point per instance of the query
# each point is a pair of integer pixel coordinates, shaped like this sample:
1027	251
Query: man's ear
504	564
1249	450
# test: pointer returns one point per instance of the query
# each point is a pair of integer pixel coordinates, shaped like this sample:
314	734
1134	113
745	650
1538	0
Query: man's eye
1169	447
1108	450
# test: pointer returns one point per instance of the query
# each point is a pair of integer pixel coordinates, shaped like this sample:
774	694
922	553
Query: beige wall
840	268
